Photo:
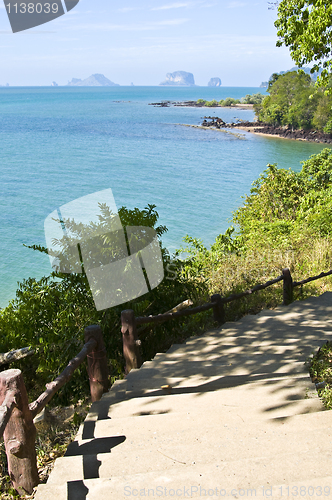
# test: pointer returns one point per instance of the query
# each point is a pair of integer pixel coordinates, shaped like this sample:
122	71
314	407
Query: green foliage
211	104
283	202
285	221
272	80
328	127
50	314
201	101
229	101
253	98
294	102
320	369
305	27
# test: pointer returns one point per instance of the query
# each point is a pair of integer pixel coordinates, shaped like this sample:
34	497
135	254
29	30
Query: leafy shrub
211	104
253	98
328	127
229	101
50	315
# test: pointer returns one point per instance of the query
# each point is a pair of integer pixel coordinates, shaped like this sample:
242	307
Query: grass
320	369
54	434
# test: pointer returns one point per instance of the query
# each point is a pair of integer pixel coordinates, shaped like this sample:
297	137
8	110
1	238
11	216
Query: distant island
214	82
179	78
306	69
96	80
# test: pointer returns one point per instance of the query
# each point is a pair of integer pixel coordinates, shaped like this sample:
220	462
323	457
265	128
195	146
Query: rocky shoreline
270	130
255	127
195	104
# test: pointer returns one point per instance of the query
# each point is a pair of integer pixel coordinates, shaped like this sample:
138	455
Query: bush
50	315
253	98
229	101
211	104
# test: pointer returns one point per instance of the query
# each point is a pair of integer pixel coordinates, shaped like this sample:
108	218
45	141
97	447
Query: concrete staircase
231	413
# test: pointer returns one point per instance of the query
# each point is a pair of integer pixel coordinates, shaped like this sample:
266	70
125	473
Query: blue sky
140	41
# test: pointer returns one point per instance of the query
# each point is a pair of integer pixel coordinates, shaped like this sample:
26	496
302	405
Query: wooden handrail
141	320
9	357
313	278
16	415
19	434
236	296
52	388
131	349
6	409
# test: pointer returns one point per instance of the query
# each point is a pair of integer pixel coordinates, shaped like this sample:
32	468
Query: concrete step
239	345
234	377
165	442
241	363
254	397
236	479
232	409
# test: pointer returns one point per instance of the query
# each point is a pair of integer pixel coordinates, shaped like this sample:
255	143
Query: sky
139	41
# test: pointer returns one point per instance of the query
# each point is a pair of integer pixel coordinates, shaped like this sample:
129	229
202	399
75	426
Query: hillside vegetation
285	221
295	101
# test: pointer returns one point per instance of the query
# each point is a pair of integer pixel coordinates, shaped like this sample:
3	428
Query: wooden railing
130	333
16	414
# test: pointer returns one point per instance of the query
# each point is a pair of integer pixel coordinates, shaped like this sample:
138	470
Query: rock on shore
266	128
286	132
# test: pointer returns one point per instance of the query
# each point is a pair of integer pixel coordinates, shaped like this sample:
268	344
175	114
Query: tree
50	314
282	202
289	102
305	27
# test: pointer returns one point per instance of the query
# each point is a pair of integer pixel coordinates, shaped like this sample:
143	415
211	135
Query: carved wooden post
288	287
19	435
130	340
97	363
218	308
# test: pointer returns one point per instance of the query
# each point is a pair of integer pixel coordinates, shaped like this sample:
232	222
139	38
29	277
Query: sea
61	143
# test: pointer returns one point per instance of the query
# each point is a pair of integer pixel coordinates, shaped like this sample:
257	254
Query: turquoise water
58	144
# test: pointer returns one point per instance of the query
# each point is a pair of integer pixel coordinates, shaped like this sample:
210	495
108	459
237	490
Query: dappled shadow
89	452
265	351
